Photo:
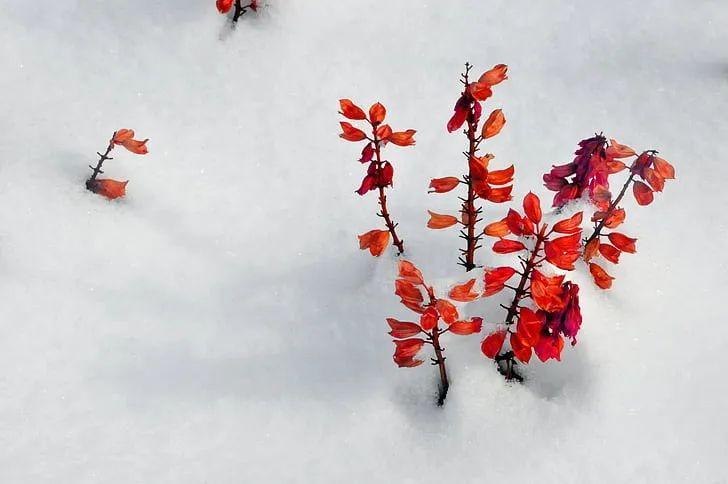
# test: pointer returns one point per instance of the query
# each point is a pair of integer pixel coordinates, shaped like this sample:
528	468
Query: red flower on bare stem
224	6
494	186
380	172
416	295
556	314
109	188
653	171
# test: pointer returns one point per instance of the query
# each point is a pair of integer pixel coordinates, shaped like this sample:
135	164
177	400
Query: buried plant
107	187
238	7
479	182
553	312
596	160
380	172
410	337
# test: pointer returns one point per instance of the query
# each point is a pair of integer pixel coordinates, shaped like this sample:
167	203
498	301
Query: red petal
642	193
349	109
532	207
493	343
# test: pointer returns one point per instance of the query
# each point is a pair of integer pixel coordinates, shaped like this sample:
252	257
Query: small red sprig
494	186
653	171
109	188
380	172
415	294
556	313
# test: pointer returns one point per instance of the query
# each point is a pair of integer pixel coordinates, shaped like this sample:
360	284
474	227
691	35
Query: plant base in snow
238	7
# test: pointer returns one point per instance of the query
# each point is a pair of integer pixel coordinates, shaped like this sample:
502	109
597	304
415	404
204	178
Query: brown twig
384	213
506	361
102	157
468	211
439	360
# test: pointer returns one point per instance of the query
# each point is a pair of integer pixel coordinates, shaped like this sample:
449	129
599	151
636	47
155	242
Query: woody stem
391	226
598	229
468	211
505	361
439	358
102	157
239	10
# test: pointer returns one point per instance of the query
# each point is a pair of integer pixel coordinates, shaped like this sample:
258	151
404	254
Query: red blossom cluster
653	171
557	314
416	295
543	310
491	185
109	188
380	172
225	6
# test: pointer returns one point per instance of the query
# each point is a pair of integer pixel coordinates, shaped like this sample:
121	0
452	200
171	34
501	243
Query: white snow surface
220	324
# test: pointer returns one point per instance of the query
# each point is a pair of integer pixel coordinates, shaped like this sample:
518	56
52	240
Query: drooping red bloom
416	295
589	170
108	188
380	172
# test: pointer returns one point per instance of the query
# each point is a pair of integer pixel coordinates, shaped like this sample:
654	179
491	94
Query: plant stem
102	157
598	229
506	361
391	226
434	336
469	212
239	10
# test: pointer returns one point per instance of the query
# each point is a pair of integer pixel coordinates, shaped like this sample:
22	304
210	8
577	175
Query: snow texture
220	325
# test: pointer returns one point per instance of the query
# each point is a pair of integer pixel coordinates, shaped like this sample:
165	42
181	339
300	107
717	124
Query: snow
219	324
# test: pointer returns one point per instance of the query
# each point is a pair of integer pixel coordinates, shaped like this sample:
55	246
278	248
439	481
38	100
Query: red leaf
401	329
591	249
224	6
549	347
494	124
532	207
403	138
447	310
108	188
429	319
656	181
494	76
350	133
407	291
374	240
521	350
443	185
377	113
616	150
406	362
615	218
610	252
496	278
493	343
351	110
439	221
569	225
601	278
136	146
384	132
501	177
457	120
642	193
463	292
480	90
530	324
464	328
623	243
500	195
506	246
407	348
664	168
410	273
